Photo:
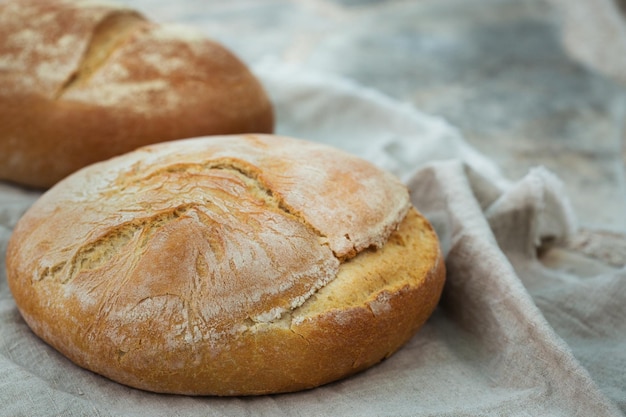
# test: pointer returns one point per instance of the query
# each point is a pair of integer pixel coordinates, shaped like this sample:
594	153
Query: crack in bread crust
108	36
100	250
248	172
97	253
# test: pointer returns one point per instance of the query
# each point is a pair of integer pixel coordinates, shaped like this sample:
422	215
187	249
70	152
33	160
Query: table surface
495	69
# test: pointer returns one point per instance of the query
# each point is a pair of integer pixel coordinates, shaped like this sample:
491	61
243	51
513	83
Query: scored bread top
215	231
43	42
109	55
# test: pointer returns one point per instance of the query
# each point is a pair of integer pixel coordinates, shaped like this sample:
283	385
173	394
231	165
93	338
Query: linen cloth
512	336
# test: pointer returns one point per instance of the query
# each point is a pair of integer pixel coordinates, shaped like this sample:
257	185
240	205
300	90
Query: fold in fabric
485	296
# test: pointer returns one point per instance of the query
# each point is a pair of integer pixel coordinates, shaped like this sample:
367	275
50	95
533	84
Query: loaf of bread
82	81
226	265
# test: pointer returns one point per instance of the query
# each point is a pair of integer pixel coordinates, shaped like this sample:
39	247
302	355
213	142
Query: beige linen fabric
512	336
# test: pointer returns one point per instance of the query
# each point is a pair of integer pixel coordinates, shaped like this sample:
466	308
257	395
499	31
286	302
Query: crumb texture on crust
198	253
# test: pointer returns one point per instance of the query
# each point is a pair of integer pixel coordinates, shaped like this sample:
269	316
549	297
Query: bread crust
208	266
83	81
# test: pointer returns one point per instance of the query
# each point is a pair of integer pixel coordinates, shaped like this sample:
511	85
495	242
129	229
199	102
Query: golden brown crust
84	81
195	267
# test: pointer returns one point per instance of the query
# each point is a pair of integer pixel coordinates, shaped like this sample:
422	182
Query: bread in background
82	81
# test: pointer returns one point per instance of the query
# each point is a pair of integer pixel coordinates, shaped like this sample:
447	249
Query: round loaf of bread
83	81
226	265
